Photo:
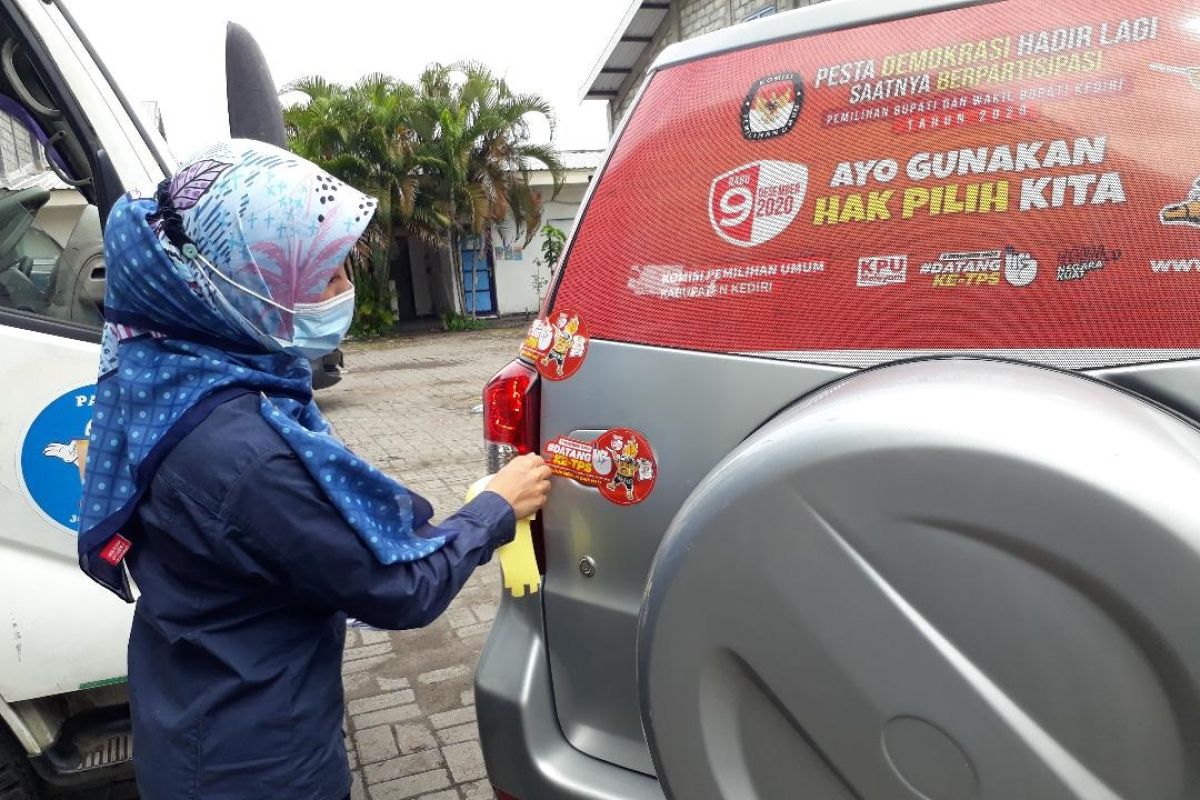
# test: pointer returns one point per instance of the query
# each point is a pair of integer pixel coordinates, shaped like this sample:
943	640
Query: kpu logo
772	106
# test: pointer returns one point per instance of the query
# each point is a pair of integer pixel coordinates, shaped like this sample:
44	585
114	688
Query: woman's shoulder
231	445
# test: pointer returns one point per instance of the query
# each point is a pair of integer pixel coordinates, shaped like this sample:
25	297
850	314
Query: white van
70	145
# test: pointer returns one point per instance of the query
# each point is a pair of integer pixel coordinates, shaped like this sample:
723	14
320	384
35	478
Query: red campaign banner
556	346
619	462
764	200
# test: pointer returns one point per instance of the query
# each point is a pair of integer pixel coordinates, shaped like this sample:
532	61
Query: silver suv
871	379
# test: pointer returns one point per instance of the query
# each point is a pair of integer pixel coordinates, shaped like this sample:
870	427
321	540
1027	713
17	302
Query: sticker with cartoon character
54	455
557	345
619	463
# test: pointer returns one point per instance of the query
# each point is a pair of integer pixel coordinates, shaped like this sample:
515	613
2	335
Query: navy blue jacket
246	573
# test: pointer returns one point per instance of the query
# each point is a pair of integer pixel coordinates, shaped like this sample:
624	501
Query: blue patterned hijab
187	329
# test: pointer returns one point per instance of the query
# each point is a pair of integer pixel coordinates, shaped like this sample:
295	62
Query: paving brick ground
407	405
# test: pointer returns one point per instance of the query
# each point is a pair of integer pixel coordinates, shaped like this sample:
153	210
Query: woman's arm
279	515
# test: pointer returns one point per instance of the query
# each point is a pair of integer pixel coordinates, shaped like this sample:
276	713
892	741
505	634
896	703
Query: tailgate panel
694	408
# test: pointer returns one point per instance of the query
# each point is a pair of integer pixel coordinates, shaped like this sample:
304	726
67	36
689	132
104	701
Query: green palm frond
446	155
313	86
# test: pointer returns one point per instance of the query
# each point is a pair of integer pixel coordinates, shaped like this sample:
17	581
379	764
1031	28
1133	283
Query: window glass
51	249
1013	178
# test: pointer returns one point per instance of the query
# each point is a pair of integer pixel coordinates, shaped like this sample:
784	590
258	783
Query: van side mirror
254	110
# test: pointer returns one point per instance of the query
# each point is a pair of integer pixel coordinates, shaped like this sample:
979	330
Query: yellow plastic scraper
517	560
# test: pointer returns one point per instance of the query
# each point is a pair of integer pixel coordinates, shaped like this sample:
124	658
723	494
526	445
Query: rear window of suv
1018	177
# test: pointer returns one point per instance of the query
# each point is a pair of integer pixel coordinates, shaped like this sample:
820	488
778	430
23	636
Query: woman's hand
524	482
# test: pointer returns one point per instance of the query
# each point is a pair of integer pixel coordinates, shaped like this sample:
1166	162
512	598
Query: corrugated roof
574	160
581	159
631	39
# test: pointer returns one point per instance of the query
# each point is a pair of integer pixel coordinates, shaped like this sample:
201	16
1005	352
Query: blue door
478	287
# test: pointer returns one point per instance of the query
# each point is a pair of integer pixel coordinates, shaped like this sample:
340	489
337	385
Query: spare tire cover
944	579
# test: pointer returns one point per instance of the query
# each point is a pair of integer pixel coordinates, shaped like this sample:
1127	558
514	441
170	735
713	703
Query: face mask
318	328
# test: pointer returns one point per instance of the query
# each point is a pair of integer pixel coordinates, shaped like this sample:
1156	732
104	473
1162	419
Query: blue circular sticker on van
54	454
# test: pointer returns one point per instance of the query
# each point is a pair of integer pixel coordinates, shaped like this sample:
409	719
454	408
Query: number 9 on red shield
556	345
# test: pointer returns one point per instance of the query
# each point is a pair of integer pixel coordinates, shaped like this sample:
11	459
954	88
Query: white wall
514	286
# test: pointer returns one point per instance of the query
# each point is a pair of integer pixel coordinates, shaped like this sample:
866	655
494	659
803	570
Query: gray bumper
523	746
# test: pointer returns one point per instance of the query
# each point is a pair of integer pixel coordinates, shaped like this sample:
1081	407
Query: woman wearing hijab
250	530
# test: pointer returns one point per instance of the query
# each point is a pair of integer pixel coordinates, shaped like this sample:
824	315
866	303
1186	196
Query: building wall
742	9
514	261
514	265
687	19
697	17
628	91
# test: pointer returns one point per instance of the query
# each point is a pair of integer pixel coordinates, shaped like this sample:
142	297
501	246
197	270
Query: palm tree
474	136
359	133
446	157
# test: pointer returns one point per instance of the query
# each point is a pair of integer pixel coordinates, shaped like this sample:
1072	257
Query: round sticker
557	345
772	105
53	456
634	469
618	462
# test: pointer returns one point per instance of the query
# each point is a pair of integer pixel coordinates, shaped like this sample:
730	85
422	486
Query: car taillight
502	795
511	416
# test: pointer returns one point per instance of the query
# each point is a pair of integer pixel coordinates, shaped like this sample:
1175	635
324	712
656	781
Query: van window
1019	178
50	242
51	247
